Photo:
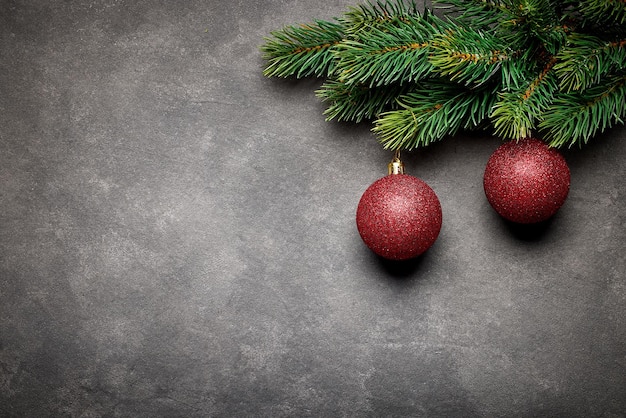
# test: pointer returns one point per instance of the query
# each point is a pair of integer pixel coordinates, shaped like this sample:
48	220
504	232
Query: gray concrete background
177	239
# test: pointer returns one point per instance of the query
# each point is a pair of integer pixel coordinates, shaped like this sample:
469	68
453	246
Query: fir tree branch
519	69
467	56
430	112
397	54
520	24
302	51
603	12
479	13
541	20
493	61
515	114
586	59
364	17
358	102
575	117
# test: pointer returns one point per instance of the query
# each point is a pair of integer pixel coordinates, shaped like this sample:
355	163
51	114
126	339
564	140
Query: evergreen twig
397	54
603	12
358	102
302	51
430	112
515	114
467	56
516	66
364	17
586	59
577	116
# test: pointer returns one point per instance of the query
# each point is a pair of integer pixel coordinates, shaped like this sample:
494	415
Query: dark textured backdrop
177	239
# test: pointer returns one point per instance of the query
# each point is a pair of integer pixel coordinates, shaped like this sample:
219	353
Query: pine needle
586	59
356	103
515	115
395	55
429	113
302	51
515	66
467	56
364	17
574	118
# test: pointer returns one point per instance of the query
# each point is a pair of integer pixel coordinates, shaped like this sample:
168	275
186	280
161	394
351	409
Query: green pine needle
356	103
516	113
395	55
430	112
521	67
364	17
302	51
515	66
467	56
586	59
574	118
483	14
603	12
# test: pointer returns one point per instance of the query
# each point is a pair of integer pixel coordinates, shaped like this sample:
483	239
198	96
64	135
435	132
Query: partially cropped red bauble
526	181
399	217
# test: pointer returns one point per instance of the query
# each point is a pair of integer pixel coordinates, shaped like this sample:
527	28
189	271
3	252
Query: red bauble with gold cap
526	181
399	216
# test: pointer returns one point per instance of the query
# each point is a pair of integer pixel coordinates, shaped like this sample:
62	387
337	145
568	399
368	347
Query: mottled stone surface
177	239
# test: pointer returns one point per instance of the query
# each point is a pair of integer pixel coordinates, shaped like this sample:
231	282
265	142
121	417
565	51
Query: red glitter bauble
526	181
399	217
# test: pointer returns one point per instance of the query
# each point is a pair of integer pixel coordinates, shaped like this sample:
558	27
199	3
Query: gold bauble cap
396	166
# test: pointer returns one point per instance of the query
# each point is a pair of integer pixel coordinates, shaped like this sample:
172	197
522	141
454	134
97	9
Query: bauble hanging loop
399	216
